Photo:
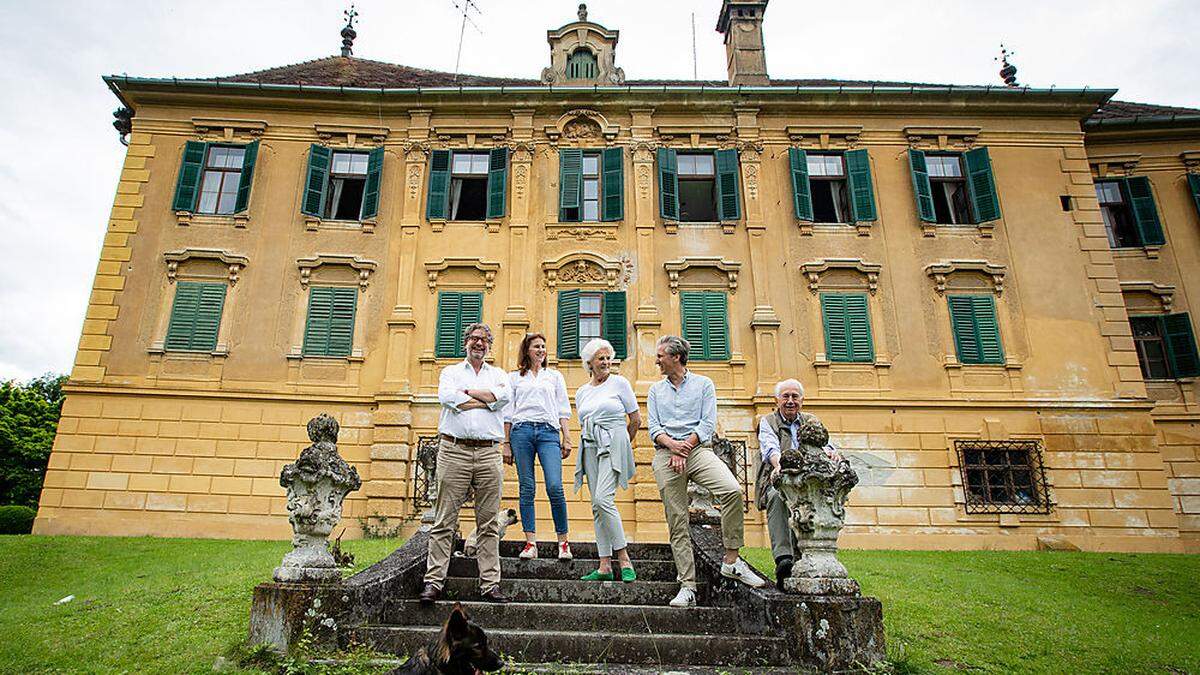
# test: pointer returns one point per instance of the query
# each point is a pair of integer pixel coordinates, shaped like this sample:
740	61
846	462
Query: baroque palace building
987	291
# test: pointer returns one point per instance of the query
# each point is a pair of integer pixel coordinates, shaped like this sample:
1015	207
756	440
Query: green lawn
172	605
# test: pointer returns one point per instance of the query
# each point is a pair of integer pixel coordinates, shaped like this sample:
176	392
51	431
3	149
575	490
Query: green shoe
628	575
597	575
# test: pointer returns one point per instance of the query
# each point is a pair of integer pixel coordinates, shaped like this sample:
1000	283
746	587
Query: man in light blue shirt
682	411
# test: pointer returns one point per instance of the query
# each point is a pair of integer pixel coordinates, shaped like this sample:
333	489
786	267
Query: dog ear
456	625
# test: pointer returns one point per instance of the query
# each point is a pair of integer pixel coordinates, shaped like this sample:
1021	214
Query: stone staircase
553	617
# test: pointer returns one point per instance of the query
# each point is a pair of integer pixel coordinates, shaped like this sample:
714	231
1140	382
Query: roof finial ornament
583	11
348	33
1008	72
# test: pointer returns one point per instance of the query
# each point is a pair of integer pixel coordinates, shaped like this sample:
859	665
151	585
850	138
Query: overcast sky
59	156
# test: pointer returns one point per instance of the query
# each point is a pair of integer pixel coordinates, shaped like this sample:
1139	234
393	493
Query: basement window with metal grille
1003	476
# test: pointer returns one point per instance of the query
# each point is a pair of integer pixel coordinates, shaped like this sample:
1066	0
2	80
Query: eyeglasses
479	338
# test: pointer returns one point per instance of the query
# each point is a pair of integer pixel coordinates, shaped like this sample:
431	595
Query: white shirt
538	398
612	395
479	424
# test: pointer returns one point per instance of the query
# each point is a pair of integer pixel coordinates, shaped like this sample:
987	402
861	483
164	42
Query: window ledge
727	226
312	224
822	361
952	363
1151	252
159	349
863	229
1171	380
985	230
187	218
492	224
356	356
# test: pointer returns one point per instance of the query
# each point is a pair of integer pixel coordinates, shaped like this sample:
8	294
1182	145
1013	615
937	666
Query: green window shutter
862	192
921	188
1181	345
570	180
691	319
568	324
247	177
1141	199
370	203
614	322
981	185
1194	184
497	182
341	323
801	193
195	316
716	324
187	187
455	312
976	331
318	175
729	201
329	327
439	185
613	167
668	184
847	321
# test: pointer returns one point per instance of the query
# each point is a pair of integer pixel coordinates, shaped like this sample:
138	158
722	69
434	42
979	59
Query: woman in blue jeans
535	426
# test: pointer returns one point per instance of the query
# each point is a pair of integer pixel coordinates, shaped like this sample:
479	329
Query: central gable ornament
583	53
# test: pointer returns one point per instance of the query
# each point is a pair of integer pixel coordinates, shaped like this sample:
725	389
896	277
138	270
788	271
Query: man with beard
473	395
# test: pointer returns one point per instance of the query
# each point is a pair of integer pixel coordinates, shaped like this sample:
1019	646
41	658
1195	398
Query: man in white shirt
473	395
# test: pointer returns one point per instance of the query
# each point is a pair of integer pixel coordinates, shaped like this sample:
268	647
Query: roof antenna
348	33
695	71
1008	72
464	6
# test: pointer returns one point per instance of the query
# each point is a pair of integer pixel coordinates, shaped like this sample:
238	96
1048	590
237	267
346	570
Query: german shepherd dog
461	649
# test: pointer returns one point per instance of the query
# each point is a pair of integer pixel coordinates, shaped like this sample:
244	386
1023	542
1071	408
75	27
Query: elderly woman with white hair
608	414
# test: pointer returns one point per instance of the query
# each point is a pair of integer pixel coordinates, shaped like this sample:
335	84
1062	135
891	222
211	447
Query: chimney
741	24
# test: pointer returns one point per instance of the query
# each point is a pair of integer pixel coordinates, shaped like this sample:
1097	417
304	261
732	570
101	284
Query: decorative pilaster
647	320
516	315
764	322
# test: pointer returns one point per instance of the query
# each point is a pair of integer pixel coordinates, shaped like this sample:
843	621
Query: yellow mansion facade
989	293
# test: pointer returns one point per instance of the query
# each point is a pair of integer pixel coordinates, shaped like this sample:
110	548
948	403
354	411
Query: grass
175	606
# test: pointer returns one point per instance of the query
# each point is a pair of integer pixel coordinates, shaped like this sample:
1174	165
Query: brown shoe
429	595
494	595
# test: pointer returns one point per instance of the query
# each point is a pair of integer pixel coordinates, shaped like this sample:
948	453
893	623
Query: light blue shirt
690	408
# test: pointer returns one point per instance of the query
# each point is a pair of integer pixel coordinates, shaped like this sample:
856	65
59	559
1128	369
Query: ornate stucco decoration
825	136
587	269
471	135
600	45
227	129
815	269
1191	160
675	268
486	269
363	267
351	132
1165	293
942	138
582	124
697	135
176	258
941	271
1122	163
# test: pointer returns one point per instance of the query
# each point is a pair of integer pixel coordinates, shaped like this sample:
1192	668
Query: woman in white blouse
609	416
535	426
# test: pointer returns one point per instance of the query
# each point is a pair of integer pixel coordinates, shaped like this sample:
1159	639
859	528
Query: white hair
789	383
593	347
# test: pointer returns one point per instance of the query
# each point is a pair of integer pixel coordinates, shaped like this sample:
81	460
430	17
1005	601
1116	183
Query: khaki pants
710	473
783	542
460	468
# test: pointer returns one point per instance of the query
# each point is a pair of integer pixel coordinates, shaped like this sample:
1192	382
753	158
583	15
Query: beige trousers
460	468
710	473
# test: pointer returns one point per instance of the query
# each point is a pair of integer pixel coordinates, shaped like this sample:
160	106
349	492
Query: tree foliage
28	420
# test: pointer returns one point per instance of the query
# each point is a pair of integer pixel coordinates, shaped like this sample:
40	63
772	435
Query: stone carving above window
582	125
702	272
941	272
461	273
1144	295
841	274
363	268
586	269
204	263
942	138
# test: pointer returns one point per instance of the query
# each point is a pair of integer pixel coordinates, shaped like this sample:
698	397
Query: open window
949	189
1130	216
954	188
342	184
347	182
698	186
467	185
827	181
1166	346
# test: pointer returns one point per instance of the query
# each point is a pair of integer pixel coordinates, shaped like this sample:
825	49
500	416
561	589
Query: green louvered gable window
847	322
329	327
456	310
195	316
976	330
586	315
215	178
1194	186
705	321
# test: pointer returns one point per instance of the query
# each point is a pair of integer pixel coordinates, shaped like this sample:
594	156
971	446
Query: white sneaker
742	572
564	551
685	598
529	552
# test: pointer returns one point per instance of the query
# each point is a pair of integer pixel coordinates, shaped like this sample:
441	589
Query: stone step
547	646
587	549
600	618
543	568
580	592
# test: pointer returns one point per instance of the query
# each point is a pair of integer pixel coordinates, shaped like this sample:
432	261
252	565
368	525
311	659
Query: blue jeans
538	439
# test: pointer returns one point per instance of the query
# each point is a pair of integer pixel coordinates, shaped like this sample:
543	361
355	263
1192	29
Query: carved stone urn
316	484
815	483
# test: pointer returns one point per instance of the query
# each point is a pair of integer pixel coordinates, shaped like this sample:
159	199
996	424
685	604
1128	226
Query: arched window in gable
582	65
